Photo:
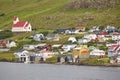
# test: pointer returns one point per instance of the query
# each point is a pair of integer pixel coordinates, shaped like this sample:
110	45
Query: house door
22	59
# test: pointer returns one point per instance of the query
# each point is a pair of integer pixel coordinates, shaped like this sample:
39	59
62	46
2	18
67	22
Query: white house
28	47
11	43
25	56
83	40
72	39
90	36
97	52
109	27
94	28
68	47
38	37
115	36
21	26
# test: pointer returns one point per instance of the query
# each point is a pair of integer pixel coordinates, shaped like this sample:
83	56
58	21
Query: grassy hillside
51	14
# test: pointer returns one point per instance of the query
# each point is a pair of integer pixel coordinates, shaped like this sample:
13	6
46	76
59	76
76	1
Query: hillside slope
51	14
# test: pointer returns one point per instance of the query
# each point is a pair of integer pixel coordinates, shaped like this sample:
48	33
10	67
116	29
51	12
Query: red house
3	43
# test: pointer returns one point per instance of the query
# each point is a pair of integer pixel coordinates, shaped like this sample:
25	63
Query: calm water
18	71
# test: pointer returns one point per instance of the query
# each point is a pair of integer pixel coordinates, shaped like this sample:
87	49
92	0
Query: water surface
20	71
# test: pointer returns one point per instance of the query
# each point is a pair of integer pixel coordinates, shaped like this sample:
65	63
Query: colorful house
82	52
21	26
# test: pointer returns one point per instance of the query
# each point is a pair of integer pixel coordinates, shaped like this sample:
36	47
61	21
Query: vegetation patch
79	4
53	59
8	56
95	61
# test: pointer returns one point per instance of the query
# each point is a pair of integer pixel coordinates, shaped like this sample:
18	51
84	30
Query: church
21	26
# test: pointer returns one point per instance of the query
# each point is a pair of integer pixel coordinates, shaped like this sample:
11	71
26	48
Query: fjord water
20	71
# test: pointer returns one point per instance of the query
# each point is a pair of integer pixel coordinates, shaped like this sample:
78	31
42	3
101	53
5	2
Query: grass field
9	56
51	14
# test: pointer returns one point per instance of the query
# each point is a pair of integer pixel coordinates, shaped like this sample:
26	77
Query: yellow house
82	52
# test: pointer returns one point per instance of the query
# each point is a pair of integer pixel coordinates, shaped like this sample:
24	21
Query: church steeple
16	19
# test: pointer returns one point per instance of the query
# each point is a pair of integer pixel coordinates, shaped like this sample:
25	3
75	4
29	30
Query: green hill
51	14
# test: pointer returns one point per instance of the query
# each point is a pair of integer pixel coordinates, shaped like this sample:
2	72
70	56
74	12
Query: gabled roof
115	47
21	24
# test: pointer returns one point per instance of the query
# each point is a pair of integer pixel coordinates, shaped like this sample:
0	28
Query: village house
39	37
62	30
80	53
90	36
111	29
25	56
3	43
46	54
11	43
44	51
43	47
57	48
21	26
83	40
72	39
115	36
108	37
113	50
68	47
94	28
97	53
80	28
52	36
28	47
70	31
6	45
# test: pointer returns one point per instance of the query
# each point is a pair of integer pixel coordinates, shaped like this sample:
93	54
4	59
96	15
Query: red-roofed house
21	26
113	50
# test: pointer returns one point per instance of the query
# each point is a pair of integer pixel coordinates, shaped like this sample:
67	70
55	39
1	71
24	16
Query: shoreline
77	64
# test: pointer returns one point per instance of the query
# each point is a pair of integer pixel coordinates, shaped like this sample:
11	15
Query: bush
5	34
